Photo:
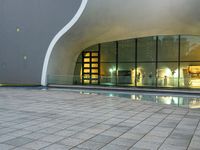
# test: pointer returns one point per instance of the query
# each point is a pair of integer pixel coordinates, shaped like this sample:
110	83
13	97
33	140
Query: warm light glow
95	54
86	60
87	65
87	54
133	76
95	70
94	65
176	73
111	70
86	70
168	72
168	100
196	82
133	97
94	59
194	104
194	69
95	76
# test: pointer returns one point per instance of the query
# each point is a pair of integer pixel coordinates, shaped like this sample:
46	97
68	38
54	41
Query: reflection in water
179	101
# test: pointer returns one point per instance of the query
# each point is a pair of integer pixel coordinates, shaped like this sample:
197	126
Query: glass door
91	67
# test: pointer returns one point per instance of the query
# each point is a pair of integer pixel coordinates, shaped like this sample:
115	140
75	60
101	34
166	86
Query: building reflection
187	102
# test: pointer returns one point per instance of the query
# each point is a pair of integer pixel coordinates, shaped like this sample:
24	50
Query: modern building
132	43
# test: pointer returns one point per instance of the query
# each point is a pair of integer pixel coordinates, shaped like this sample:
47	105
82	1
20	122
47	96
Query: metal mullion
117	59
179	60
90	67
136	65
99	64
156	74
82	68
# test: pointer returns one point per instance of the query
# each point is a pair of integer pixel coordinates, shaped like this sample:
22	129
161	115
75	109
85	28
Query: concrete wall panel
22	53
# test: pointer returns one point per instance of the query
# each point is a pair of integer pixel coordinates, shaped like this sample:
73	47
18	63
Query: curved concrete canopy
109	20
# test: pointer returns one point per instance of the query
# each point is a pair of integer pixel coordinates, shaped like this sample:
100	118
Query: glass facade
171	61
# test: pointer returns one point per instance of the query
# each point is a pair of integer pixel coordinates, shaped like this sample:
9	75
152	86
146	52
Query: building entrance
91	67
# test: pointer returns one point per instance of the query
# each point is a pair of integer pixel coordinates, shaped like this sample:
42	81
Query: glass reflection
146	74
190	75
167	75
168	48
126	74
108	52
126	50
118	61
108	74
190	48
146	49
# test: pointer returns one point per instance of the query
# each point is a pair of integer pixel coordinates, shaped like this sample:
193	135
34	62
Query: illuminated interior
161	61
90	71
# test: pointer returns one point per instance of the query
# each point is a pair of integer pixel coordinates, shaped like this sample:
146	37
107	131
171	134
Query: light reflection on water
186	101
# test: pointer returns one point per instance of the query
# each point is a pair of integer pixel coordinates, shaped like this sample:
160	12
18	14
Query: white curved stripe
57	37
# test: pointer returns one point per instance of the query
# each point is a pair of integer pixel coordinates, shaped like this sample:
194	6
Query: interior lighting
133	97
111	70
168	72
196	82
176	73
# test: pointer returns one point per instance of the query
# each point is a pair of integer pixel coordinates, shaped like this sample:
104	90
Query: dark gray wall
22	53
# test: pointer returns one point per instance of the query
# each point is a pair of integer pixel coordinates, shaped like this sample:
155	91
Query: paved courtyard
32	119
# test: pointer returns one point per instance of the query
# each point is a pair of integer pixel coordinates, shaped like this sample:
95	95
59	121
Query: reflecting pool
186	101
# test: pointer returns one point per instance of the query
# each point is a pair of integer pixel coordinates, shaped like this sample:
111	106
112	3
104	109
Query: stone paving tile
36	145
172	147
102	139
21	148
114	147
133	136
6	147
124	142
18	141
76	148
72	141
147	145
52	138
35	135
57	147
66	133
91	145
83	135
52	119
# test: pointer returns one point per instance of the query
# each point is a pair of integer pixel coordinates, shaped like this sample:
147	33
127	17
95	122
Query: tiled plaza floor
57	120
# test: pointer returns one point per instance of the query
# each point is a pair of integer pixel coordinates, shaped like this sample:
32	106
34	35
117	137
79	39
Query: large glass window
108	74
108	52
126	74
146	74
190	74
78	74
92	48
157	62
126	51
168	47
146	49
190	48
167	75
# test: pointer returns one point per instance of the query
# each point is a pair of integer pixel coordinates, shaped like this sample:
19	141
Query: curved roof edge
56	39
